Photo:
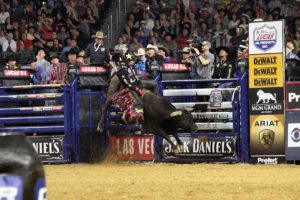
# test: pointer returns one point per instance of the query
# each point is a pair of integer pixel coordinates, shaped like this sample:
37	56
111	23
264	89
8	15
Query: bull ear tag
266	138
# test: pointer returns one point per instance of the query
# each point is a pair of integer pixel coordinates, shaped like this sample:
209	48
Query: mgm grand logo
266	138
266	102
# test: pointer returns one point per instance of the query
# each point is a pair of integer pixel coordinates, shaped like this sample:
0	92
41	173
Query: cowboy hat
164	49
218	49
150	46
99	34
140	52
185	50
11	58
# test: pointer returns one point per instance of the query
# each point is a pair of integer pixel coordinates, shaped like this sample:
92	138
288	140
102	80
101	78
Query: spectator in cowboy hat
96	51
140	64
72	63
164	52
11	62
153	60
57	70
186	55
223	68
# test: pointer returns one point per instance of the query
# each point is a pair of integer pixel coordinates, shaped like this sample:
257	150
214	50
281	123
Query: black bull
160	116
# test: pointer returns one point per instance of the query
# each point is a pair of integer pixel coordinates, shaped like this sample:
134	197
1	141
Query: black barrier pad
86	80
96	108
89	115
174	76
84	109
13	82
92	148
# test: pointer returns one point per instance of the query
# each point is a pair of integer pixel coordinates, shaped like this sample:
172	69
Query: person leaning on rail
72	64
41	68
11	62
96	51
223	69
57	70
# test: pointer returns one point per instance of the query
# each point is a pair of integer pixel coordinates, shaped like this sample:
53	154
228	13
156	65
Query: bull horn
176	113
189	109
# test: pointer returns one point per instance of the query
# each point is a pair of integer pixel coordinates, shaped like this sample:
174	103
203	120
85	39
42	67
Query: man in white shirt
9	45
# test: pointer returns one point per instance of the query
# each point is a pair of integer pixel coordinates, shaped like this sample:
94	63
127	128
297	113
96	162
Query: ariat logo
266	138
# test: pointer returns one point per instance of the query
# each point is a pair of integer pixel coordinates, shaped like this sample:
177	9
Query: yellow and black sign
265	71
267	135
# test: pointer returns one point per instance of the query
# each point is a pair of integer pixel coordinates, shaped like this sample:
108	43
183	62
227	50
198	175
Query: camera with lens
196	41
116	56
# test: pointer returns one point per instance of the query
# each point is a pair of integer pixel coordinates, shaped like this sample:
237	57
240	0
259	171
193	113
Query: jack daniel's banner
203	146
48	148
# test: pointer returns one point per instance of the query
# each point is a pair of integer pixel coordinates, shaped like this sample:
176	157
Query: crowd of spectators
173	24
215	31
55	25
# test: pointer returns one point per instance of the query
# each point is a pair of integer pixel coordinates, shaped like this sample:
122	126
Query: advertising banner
266	70
292	128
266	101
132	147
203	146
266	91
266	37
48	148
267	135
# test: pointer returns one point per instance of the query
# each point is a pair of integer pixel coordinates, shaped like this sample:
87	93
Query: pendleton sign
266	71
266	91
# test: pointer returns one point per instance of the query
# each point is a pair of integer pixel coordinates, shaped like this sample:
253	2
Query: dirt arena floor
144	181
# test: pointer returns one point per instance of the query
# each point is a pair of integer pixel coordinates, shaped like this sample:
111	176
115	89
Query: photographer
205	69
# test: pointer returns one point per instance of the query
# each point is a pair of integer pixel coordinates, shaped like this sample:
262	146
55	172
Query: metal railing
113	24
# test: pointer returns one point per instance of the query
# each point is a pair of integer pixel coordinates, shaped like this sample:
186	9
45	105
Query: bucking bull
160	116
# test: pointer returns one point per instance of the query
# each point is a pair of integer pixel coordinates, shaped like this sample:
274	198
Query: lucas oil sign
266	37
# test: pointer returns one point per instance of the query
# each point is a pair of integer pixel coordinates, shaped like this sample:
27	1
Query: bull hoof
99	129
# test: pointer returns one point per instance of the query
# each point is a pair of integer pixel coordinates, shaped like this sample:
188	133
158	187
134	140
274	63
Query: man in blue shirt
140	65
41	68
